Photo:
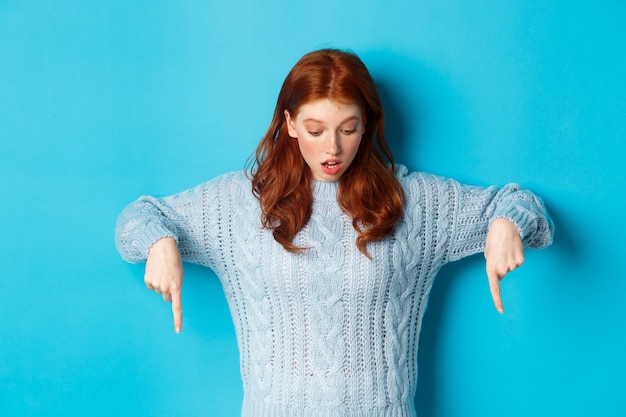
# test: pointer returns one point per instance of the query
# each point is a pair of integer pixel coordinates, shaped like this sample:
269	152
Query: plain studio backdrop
103	101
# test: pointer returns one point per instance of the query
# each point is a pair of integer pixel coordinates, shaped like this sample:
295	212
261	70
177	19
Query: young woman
327	250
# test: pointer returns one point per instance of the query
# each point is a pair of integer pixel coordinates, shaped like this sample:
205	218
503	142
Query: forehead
328	111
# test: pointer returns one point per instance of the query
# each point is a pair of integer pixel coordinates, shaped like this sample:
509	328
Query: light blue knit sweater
328	332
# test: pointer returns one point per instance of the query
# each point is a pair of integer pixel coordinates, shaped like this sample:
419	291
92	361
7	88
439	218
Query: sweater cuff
523	219
152	231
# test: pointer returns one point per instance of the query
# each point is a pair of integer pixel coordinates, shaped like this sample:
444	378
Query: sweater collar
325	190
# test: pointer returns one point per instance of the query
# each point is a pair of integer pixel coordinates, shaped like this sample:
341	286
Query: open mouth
331	167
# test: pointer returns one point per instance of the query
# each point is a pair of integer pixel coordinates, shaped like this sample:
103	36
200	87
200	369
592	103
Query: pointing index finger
494	286
177	311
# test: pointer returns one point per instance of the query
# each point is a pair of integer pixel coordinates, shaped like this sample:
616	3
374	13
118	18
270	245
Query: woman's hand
164	275
504	252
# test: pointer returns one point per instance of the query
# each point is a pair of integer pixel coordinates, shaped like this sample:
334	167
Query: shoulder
225	196
223	188
230	181
232	177
417	181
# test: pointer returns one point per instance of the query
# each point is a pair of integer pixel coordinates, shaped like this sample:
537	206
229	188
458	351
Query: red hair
368	191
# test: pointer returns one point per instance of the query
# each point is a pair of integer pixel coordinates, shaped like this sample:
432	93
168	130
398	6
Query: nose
333	147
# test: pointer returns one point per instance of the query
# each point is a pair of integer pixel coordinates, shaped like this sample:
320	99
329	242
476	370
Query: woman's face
329	134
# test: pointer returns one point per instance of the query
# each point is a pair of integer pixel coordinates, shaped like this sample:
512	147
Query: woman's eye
348	131
315	133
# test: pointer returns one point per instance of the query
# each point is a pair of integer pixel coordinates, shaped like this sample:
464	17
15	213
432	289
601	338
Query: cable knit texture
328	332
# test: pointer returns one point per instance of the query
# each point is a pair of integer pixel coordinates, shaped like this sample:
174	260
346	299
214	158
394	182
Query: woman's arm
158	230
182	217
472	210
500	222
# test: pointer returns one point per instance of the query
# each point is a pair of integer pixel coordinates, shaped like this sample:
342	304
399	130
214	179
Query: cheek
354	147
307	149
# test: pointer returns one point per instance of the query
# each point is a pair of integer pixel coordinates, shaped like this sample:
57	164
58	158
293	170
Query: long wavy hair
368	191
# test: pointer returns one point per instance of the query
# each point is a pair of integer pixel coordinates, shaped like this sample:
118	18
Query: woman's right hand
164	275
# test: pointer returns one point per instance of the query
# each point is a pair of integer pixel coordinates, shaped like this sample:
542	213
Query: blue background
101	102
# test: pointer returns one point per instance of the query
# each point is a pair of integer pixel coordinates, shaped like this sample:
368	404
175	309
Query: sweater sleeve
182	216
472	209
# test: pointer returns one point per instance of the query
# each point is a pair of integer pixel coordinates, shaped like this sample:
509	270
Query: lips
332	166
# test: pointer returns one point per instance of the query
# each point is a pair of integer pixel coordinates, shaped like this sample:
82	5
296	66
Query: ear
291	125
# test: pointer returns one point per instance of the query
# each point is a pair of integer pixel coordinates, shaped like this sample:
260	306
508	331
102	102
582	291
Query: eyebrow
322	122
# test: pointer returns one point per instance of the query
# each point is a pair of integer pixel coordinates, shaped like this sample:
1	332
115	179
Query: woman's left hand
504	252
